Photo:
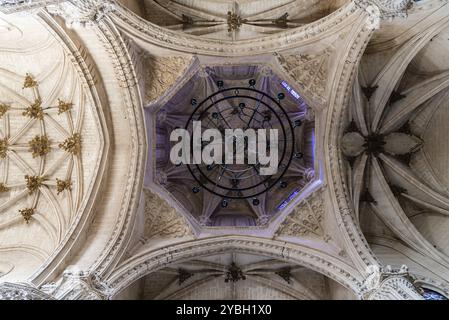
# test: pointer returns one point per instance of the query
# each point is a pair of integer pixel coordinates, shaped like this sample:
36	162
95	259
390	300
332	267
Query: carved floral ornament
77	13
12	148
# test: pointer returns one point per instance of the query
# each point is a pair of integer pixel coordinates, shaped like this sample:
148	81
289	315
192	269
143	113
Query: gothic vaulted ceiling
212	193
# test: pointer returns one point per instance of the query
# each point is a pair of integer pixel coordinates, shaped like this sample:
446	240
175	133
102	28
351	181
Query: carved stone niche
17	291
390	284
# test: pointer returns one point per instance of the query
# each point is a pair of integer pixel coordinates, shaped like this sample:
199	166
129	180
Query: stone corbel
389	284
389	9
78	285
77	13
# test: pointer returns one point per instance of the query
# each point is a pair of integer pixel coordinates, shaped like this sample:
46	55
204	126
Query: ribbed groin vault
92	207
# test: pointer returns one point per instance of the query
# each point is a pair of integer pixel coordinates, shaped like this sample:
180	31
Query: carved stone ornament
162	220
28	6
389	9
389	284
78	285
306	219
79	13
